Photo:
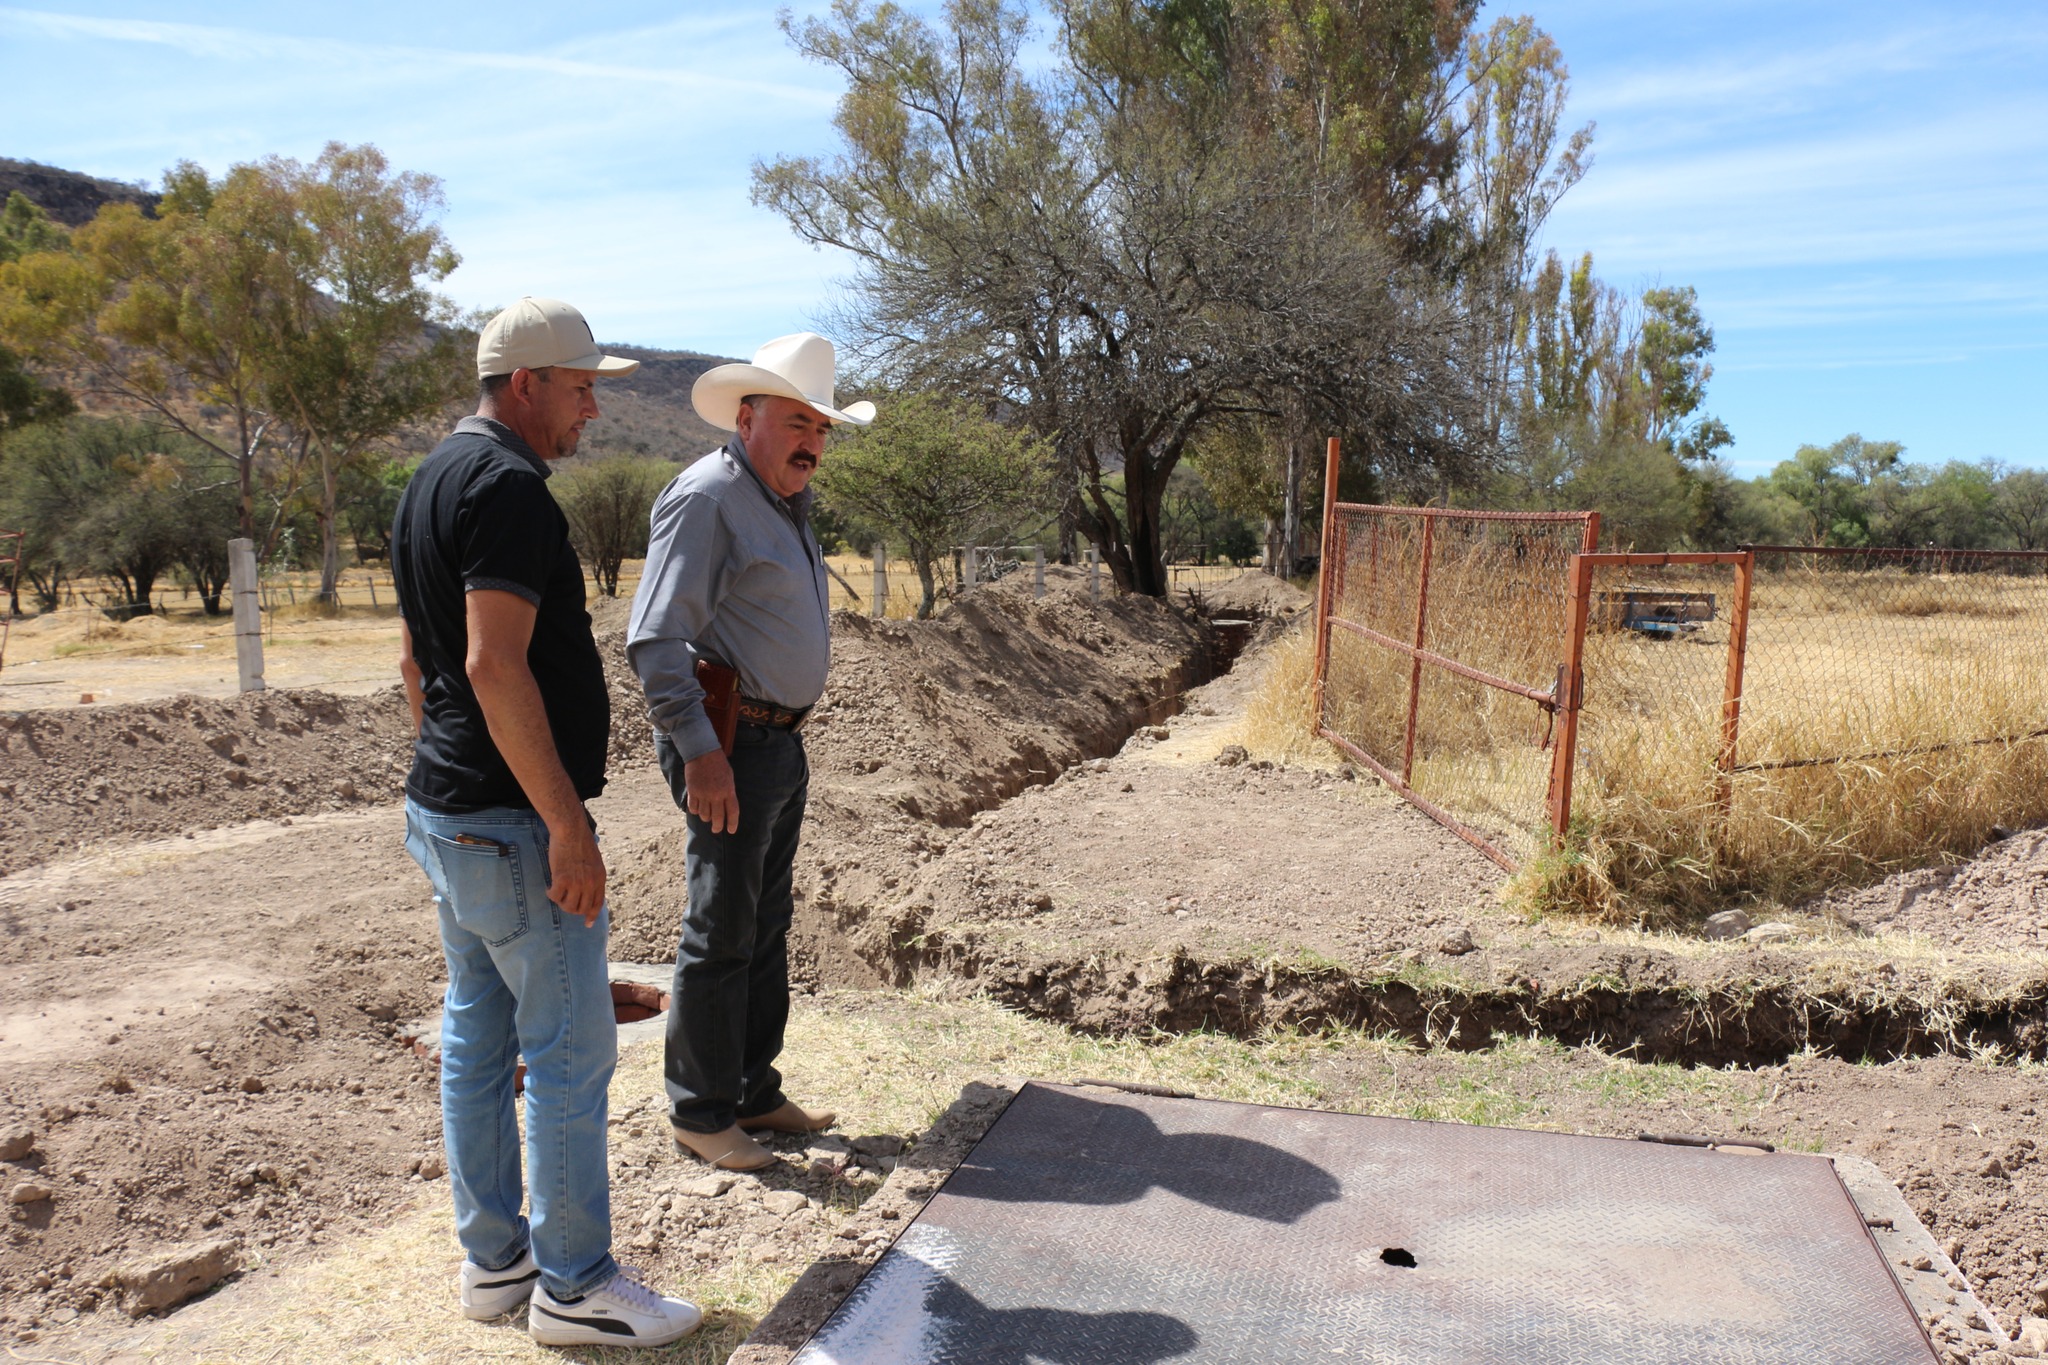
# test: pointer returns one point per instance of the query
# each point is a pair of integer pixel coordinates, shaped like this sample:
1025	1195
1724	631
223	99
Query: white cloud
396	62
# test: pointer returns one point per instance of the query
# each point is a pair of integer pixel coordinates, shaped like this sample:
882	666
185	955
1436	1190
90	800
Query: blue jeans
730	1000
524	980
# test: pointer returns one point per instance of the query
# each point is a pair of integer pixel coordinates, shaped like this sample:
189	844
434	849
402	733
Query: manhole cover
1101	1227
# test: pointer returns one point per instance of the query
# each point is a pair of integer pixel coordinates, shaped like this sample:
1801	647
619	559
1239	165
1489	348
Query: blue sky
1859	192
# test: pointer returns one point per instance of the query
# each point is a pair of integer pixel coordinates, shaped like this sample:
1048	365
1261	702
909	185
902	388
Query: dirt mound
1253	593
1997	901
74	777
922	725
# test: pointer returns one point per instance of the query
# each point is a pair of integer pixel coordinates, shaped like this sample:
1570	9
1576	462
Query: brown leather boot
728	1149
791	1118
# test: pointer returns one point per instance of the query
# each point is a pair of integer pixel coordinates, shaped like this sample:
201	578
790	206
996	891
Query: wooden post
880	607
1421	629
1038	571
1571	690
1094	575
1731	695
1326	594
373	590
248	614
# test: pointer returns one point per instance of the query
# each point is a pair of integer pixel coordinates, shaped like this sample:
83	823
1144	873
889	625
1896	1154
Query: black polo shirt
478	514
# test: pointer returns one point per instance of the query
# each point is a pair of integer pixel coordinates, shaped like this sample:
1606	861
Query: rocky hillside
70	197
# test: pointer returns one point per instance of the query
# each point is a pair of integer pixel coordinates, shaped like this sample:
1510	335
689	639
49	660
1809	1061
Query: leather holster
721	700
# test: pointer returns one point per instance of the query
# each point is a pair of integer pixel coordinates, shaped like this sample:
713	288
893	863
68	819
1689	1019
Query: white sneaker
493	1293
620	1312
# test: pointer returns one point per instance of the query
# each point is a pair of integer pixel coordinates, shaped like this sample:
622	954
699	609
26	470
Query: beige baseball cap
535	333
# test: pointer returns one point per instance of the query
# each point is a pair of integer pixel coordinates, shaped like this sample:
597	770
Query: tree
359	353
171	316
1123	252
24	227
102	496
24	399
274	315
607	503
936	474
2019	503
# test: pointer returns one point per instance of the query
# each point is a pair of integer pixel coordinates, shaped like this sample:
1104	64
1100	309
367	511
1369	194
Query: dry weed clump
1279	715
1864	749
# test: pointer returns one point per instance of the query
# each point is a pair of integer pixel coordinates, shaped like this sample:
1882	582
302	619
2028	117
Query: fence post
1094	575
1571	689
967	578
373	590
881	607
248	614
1326	580
1038	571
1421	628
1731	696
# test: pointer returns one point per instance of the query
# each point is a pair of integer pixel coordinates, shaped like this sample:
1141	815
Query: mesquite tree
1121	253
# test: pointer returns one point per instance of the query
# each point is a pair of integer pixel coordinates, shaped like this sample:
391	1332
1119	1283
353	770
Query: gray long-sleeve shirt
733	575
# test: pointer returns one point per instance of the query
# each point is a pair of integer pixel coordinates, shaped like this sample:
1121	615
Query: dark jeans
730	1000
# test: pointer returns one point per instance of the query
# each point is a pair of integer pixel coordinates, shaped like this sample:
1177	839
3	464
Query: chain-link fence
1765	719
1438	659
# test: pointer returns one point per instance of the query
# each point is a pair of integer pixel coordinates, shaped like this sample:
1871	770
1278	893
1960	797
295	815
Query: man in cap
512	719
735	581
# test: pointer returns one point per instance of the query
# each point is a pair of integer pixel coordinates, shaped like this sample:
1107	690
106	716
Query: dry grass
1866	697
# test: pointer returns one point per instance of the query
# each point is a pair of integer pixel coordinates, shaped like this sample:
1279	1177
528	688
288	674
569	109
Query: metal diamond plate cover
1091	1227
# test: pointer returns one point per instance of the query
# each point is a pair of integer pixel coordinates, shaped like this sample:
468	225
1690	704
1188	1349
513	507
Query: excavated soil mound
1997	901
69	778
923	724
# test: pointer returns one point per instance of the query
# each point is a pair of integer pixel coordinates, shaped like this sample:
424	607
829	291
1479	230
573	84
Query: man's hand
707	779
578	868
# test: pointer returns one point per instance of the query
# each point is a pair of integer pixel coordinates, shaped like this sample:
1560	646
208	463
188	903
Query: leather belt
775	717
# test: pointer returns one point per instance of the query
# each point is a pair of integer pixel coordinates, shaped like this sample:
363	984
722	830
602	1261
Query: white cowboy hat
798	366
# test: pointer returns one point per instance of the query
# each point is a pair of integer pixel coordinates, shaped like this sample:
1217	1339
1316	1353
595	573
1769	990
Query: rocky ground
1036	801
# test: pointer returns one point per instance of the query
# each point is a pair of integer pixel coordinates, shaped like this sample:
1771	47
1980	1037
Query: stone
784	1202
710	1186
1994	1169
2032	1338
1456	942
879	1144
17	1143
1727	924
1232	755
1772	932
176	1275
432	1168
345	789
253	1085
29	1192
1157	732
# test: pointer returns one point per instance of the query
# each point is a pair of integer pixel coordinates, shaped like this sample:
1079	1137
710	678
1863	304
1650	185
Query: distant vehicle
1648	611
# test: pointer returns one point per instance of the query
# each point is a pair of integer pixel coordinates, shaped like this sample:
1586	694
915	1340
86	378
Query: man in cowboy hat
513	721
735	580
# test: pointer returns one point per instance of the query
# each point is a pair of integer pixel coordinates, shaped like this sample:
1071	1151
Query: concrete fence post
1038	571
881	606
248	613
967	578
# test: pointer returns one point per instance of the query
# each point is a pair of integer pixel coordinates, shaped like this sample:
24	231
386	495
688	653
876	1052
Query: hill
70	197
648	411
